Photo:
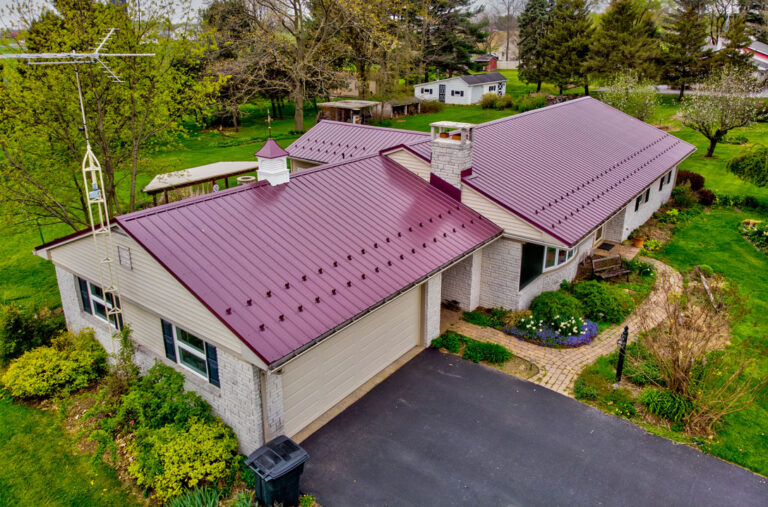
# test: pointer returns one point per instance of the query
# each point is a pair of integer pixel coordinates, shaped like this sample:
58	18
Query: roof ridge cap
374	127
534	111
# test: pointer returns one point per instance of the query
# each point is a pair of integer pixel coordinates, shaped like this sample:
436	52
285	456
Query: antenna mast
93	180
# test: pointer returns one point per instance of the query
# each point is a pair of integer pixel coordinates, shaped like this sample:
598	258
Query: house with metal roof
278	299
462	90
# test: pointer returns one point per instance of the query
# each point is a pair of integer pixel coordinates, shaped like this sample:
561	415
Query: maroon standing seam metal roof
337	228
329	142
567	168
271	150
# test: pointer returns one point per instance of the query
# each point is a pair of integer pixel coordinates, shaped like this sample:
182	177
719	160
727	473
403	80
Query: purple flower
548	337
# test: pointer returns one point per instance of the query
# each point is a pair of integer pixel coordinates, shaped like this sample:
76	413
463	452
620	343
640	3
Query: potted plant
639	237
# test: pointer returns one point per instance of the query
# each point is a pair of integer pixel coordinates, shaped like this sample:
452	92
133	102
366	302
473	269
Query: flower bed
546	336
756	233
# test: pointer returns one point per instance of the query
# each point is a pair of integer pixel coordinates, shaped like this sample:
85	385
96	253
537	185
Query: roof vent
273	163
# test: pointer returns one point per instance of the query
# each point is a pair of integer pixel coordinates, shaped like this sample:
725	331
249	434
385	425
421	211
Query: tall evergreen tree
626	38
687	58
737	38
534	28
567	44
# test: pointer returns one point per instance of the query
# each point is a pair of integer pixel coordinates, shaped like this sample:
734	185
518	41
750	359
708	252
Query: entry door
442	93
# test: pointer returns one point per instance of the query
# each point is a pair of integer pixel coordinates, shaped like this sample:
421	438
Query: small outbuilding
198	180
489	62
349	111
463	90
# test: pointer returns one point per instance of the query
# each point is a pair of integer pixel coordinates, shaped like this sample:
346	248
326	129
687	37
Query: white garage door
322	377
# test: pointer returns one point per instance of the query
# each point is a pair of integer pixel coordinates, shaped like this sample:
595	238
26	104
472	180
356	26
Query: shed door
441	93
326	374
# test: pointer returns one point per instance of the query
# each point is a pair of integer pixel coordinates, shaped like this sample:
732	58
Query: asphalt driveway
443	431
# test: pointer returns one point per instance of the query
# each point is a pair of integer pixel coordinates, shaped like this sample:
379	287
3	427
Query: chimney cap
452	125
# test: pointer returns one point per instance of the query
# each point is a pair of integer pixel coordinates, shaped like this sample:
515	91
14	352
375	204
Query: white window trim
201	355
569	256
102	301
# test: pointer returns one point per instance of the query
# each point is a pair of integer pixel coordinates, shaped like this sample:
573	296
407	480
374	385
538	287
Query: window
93	301
531	264
638	202
669	177
661	183
191	352
124	256
647	195
492	88
555	257
461	93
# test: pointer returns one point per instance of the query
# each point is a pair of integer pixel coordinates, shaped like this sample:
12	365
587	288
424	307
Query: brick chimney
451	154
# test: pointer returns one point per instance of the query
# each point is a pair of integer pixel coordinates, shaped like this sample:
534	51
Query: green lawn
712	239
38	467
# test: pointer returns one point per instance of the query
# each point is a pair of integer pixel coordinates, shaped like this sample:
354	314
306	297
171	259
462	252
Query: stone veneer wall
237	401
613	230
500	274
457	283
432	299
449	158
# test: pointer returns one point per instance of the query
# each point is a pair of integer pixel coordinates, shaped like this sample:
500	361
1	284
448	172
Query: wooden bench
608	267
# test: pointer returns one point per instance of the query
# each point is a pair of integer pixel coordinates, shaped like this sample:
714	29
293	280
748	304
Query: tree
686	58
684	349
535	23
626	38
446	35
508	11
567	44
628	93
724	102
40	139
736	37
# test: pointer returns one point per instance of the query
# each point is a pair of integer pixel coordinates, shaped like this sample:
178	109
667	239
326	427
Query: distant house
489	62
278	299
497	43
462	90
759	53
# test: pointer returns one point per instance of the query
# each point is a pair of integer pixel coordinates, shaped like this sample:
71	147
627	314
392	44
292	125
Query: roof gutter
283	361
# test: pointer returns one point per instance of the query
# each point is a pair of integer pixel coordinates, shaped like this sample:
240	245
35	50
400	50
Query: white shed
463	90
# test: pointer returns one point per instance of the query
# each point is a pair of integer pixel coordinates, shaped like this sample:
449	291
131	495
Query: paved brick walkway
558	368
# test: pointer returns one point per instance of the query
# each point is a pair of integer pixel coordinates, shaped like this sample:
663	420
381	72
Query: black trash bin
278	466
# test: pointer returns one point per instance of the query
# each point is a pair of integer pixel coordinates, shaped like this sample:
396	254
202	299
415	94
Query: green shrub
153	401
71	363
432	106
512	319
449	341
652	245
683	196
554	306
531	102
751	164
306	501
641	268
22	330
505	102
172	459
582	391
706	197
246	499
735	139
206	496
477	351
706	270
488	101
666	404
493	317
603	302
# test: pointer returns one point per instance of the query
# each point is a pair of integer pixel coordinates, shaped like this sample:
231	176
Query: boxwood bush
751	164
70	363
449	341
477	351
22	330
602	302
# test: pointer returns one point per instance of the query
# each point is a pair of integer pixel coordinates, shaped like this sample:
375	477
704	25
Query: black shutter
170	347
85	299
213	364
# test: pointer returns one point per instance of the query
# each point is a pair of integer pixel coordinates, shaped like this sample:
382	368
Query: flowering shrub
603	302
571	333
756	233
556	307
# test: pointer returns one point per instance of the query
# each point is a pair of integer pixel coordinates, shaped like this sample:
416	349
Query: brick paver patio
558	368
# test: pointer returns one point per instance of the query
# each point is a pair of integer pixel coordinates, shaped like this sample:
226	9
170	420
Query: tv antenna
93	180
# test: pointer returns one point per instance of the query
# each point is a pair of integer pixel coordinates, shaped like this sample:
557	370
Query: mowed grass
712	238
38	466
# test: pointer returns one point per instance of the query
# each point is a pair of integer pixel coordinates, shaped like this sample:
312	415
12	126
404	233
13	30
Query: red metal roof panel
282	265
330	142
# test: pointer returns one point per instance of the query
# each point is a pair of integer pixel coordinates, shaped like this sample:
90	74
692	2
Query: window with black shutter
85	300
191	352
213	364
170	347
94	301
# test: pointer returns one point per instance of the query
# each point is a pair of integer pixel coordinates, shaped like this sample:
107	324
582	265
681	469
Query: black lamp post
622	342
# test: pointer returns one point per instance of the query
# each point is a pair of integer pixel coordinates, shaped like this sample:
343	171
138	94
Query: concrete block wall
457	283
237	401
501	261
432	299
449	158
634	219
613	230
77	319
